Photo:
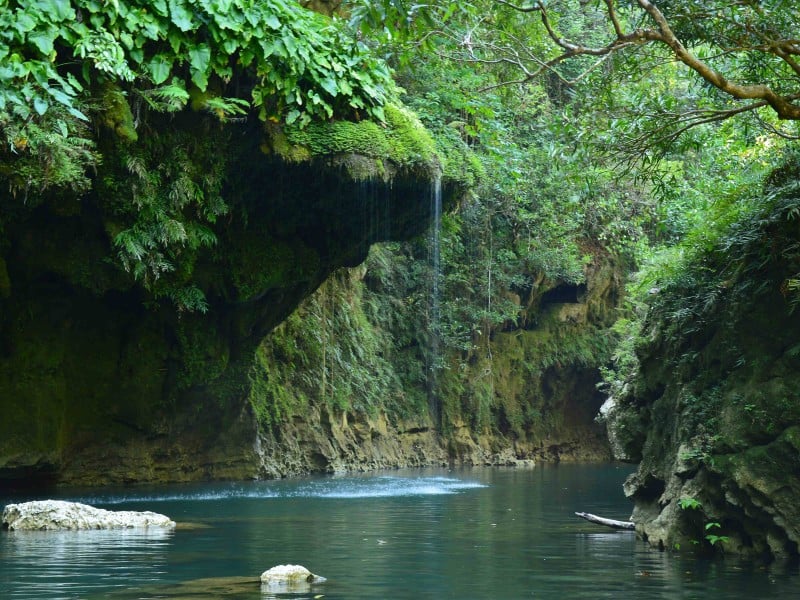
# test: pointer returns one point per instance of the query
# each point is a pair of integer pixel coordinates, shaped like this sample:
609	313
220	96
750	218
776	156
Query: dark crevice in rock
564	294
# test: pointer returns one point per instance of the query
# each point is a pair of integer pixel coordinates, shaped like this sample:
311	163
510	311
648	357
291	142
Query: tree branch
663	33
783	107
607	522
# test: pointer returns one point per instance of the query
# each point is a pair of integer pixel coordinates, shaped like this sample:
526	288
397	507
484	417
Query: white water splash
338	487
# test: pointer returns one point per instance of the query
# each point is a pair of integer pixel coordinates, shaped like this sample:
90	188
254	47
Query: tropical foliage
289	63
73	72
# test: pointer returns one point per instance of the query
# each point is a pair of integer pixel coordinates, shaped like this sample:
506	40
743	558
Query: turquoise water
472	533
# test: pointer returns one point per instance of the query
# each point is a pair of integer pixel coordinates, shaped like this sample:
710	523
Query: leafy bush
294	64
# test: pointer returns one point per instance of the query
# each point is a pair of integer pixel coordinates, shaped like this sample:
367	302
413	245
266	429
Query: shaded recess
564	294
101	380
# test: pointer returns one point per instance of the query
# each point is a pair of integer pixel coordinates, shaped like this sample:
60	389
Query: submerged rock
61	515
295	578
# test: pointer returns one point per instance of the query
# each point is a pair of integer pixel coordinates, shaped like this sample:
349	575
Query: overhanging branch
784	105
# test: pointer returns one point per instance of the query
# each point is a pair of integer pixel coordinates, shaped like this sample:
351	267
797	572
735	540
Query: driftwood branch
607	522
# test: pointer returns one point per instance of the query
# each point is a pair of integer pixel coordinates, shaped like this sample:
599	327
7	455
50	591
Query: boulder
294	578
61	515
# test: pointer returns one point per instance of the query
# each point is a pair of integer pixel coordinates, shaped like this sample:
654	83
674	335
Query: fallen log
607	522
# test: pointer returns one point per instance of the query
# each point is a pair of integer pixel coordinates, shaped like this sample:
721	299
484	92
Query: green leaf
329	85
43	40
126	39
269	47
23	23
182	17
199	57
40	105
175	40
57	10
200	79
160	7
290	43
230	45
159	68
273	22
61	97
76	85
292	116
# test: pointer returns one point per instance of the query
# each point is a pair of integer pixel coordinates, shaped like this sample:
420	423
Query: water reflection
468	534
73	564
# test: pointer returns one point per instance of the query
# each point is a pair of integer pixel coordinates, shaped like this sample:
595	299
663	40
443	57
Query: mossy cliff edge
108	375
712	413
346	383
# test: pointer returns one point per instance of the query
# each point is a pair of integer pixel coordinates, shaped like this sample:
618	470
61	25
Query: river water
463	534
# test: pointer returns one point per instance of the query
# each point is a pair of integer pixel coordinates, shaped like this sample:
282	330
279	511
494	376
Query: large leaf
181	16
159	68
199	57
57	10
23	22
43	40
40	105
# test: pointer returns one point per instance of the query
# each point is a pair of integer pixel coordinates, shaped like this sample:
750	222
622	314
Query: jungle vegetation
636	133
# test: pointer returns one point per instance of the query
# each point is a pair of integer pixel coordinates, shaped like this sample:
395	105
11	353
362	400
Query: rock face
292	578
541	407
59	515
713	416
102	378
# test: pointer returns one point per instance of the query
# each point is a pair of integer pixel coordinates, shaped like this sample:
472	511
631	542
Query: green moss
260	263
271	394
341	137
410	142
764	467
63	379
204	353
117	114
401	140
5	282
329	353
460	165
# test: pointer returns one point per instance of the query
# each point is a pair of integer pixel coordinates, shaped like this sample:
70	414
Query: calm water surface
473	533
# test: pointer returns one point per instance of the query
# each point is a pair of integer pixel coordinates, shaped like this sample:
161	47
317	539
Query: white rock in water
294	577
60	515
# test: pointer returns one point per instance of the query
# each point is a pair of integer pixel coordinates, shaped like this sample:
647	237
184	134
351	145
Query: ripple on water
73	564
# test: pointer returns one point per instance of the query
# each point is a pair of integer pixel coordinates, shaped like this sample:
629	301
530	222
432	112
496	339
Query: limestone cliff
108	375
342	385
712	414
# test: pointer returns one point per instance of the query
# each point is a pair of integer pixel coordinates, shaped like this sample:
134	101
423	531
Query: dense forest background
630	161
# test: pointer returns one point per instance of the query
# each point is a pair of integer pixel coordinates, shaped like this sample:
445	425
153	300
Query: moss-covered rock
365	149
713	413
342	384
108	375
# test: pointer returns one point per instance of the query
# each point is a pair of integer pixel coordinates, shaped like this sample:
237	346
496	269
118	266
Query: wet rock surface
58	515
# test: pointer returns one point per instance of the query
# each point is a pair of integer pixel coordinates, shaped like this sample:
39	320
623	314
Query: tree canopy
745	53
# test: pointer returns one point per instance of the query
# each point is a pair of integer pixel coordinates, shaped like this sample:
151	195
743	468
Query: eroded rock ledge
102	378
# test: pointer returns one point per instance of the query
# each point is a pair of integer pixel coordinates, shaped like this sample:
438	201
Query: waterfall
435	360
